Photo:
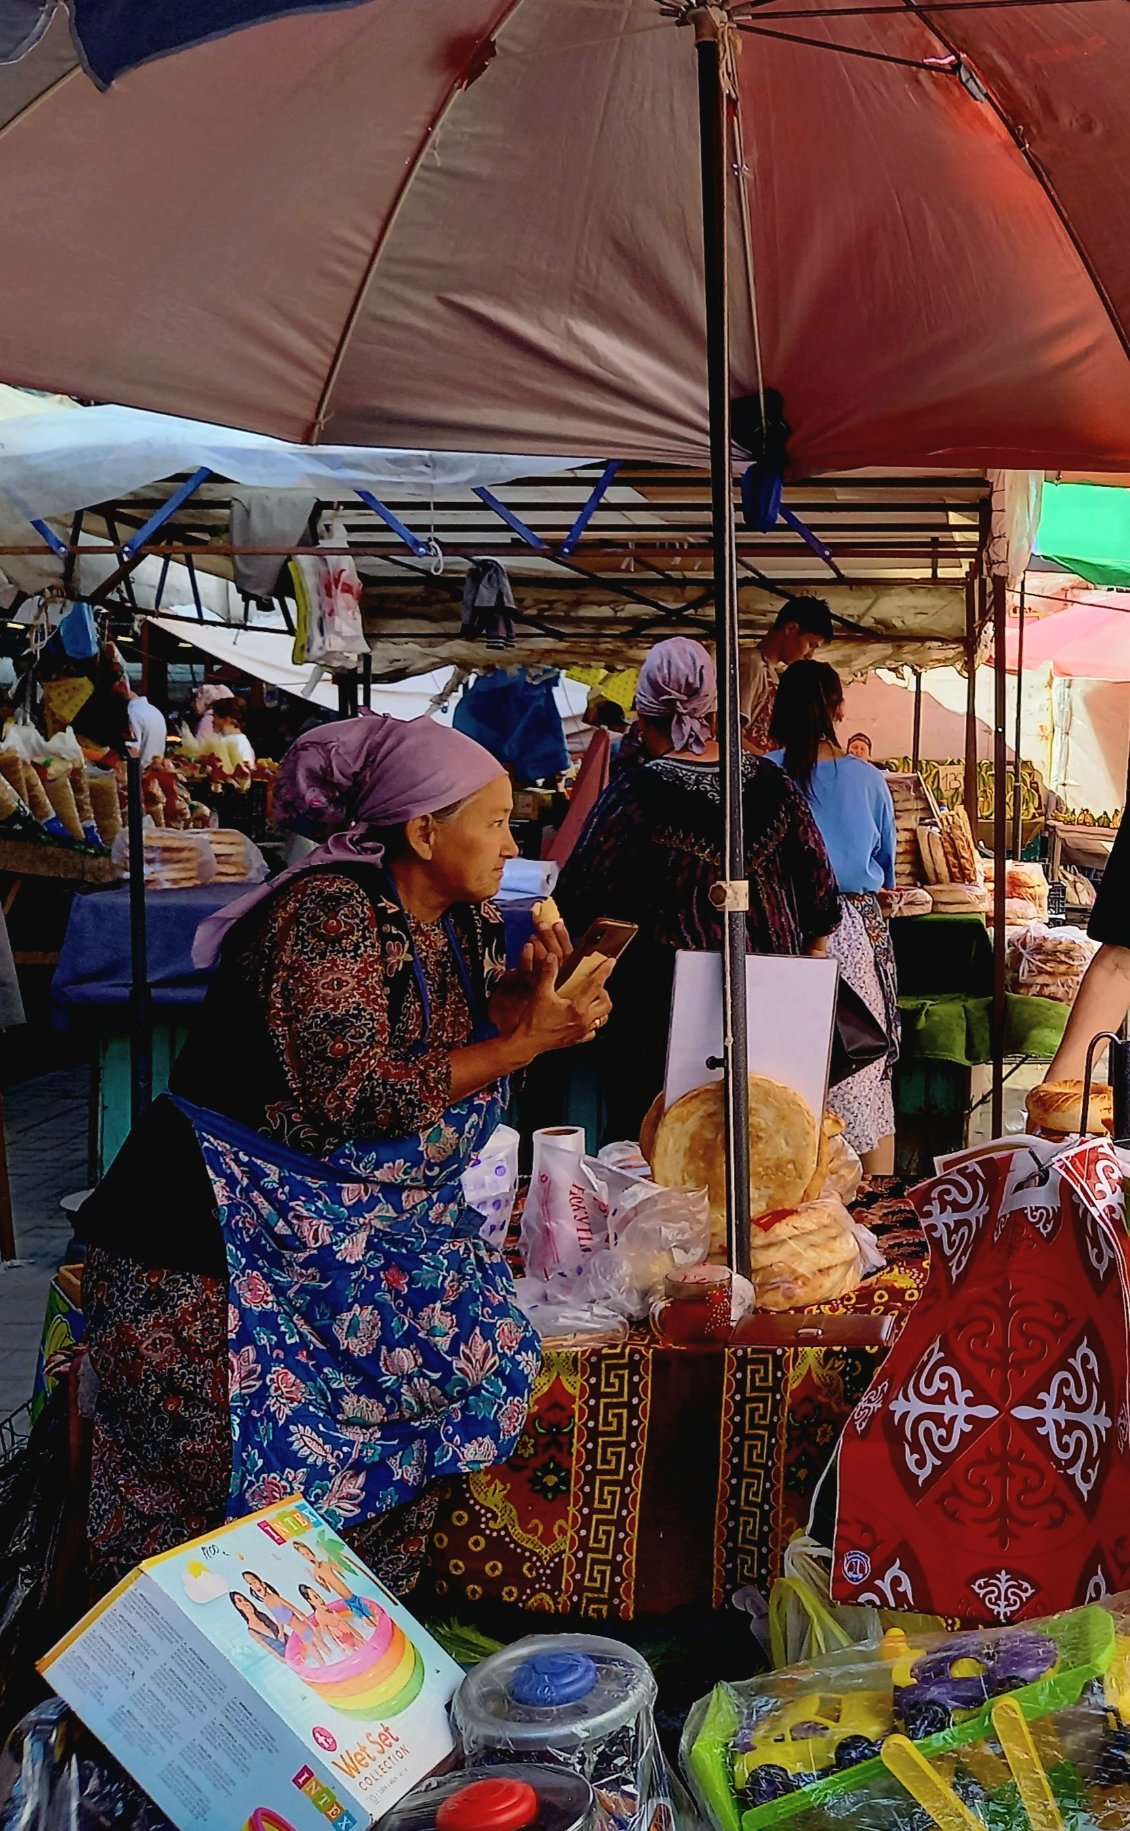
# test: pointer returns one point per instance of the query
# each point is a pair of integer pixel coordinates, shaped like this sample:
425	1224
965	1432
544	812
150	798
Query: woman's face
465	854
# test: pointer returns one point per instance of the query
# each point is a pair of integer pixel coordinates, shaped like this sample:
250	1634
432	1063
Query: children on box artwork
330	1625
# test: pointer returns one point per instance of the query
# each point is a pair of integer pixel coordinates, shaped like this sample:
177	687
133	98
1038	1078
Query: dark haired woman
854	811
652	853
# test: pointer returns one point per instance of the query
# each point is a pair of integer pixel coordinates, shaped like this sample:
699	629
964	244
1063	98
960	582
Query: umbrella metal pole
1017	767
732	894
141	1008
916	734
1000	846
971	796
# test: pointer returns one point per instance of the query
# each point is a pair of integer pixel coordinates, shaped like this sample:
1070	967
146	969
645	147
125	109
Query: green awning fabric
1085	528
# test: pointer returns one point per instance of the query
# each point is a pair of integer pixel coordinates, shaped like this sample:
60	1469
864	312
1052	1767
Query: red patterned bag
984	1475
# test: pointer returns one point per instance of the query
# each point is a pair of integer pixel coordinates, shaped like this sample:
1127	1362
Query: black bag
858	1039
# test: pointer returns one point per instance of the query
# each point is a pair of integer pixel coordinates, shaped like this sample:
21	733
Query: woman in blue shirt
853	808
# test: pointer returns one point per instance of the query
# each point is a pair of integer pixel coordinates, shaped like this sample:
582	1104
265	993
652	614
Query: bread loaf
1057	1108
690	1152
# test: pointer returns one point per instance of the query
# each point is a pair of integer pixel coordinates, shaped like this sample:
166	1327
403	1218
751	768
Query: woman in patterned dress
853	808
284	1290
652	853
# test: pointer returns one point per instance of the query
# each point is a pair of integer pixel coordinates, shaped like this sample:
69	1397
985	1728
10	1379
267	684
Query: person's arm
1101	1003
885	856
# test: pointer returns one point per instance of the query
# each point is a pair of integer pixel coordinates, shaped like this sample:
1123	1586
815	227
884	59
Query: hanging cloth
487	603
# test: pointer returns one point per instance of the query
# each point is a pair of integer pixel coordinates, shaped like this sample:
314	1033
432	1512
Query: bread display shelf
70	864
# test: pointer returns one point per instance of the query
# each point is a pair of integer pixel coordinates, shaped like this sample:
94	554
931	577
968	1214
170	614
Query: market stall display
1005	1726
652	1477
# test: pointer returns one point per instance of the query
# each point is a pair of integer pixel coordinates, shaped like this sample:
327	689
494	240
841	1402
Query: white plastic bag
1045	962
490	1184
173	860
617	1265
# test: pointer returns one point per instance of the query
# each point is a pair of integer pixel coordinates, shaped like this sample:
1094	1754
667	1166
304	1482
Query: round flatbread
690	1149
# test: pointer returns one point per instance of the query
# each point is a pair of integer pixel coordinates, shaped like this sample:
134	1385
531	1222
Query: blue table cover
93	974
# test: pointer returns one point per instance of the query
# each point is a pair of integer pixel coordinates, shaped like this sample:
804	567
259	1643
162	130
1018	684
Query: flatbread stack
233	855
175	860
784	1144
808	1257
1049	962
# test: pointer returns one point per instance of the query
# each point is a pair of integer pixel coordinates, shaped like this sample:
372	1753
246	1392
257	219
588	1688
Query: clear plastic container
575	1701
499	1798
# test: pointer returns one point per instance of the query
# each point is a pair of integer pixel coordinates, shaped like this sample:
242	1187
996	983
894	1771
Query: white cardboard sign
792	1008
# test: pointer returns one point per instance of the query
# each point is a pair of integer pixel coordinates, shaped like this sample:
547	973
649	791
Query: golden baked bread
546	913
802	1258
1057	1108
690	1149
830	1128
649	1128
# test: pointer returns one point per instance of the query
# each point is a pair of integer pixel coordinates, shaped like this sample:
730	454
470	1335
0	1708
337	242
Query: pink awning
477	227
1088	641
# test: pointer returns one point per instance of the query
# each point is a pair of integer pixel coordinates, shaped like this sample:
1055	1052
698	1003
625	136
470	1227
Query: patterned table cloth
651	1478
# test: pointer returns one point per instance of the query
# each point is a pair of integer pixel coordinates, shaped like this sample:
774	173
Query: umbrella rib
1041	177
427	139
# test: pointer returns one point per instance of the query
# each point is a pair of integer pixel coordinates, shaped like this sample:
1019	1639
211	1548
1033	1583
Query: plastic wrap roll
557	1223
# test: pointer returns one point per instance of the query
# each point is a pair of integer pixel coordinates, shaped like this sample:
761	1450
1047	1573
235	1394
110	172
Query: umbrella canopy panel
1085	529
456	228
1088	641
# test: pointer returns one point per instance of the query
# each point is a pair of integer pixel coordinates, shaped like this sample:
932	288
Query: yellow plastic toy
815	1734
1116	1679
1015	1738
926	1786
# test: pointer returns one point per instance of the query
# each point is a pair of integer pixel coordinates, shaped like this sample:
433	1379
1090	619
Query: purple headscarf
678	682
341	780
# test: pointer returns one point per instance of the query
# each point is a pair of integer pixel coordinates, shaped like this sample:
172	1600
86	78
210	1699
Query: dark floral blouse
331	968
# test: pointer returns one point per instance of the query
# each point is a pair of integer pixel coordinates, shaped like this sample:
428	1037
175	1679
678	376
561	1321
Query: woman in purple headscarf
284	1289
652	852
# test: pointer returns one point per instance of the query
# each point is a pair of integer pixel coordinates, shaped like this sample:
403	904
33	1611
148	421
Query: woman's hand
547	1021
513	991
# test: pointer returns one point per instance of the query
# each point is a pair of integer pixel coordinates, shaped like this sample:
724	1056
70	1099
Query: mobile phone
605	936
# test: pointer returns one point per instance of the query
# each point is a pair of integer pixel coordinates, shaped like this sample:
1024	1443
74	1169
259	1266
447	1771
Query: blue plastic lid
547	1679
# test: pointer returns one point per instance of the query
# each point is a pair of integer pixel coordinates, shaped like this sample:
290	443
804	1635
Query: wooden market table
653	1478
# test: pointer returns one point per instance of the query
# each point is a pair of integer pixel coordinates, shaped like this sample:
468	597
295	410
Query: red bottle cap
489	1805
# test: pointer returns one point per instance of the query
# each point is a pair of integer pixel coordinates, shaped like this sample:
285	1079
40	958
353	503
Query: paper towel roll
557	1229
528	877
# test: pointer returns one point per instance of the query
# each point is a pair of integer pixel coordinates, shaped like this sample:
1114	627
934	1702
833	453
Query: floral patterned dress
364	1341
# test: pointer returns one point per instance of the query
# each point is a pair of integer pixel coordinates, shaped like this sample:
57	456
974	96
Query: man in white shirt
802	624
150	731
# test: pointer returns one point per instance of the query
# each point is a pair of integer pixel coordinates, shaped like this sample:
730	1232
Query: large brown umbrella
477	225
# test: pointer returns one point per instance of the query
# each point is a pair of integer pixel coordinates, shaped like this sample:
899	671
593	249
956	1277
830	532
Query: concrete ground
46	1124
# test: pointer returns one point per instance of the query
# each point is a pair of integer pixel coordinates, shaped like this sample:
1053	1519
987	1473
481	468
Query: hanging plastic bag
55	1777
490	1184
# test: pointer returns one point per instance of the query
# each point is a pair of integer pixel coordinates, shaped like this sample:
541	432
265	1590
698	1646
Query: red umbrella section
479	227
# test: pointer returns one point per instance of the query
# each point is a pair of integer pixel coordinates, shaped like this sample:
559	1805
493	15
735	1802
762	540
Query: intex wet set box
261	1679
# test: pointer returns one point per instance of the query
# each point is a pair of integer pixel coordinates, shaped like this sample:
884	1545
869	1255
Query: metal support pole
1017	761
971	702
916	734
1000	844
141	1009
709	26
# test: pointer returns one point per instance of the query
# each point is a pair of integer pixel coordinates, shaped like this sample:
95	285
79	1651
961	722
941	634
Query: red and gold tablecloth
650	1478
